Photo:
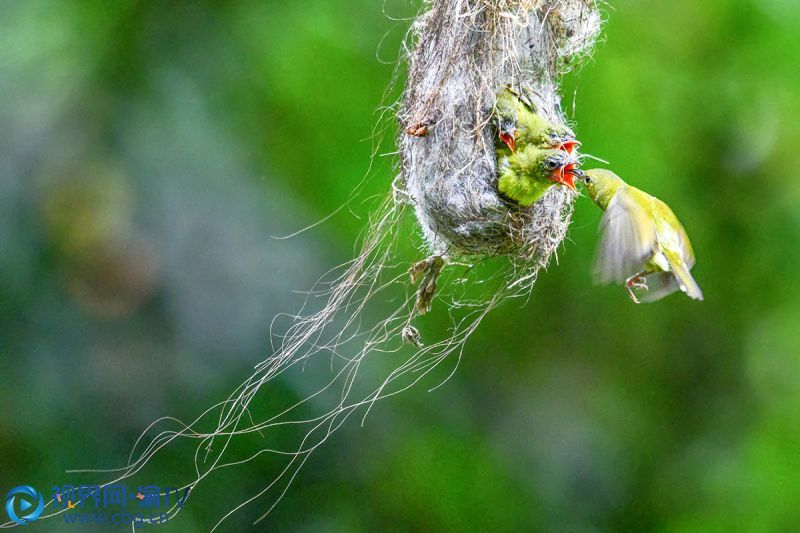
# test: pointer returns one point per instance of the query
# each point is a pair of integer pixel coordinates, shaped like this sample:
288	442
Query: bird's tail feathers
685	279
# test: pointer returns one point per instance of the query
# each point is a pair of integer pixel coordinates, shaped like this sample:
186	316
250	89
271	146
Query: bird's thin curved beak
578	173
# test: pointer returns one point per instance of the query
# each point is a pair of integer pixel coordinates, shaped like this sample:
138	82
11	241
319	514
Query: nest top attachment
465	52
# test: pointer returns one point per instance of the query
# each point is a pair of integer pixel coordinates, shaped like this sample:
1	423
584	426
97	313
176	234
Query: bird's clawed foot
636	281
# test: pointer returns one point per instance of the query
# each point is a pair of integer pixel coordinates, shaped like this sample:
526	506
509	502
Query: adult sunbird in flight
642	244
519	125
525	175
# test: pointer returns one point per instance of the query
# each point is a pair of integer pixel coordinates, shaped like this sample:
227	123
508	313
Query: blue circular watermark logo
27	501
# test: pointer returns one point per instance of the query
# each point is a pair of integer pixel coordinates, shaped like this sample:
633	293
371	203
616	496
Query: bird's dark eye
551	164
587	179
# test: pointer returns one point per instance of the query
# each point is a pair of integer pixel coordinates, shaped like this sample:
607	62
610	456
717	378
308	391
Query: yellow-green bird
643	244
525	175
518	125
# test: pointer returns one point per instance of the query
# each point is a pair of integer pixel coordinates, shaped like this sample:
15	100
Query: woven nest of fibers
464	52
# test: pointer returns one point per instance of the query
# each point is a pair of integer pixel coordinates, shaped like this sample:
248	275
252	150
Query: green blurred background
149	150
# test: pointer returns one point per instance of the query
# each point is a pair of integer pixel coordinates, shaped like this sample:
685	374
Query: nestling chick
525	175
642	244
519	125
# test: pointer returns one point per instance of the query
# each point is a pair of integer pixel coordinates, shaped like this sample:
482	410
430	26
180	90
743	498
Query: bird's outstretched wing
627	239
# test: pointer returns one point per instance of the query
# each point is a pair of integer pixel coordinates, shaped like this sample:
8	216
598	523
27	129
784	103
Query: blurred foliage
149	151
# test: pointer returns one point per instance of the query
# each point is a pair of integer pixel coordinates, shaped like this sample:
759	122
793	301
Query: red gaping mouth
564	176
509	140
569	146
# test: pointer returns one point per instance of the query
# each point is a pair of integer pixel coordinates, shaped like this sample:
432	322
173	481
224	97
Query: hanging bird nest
464	52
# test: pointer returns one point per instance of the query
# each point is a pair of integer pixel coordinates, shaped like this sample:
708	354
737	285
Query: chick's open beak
509	140
569	146
564	176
